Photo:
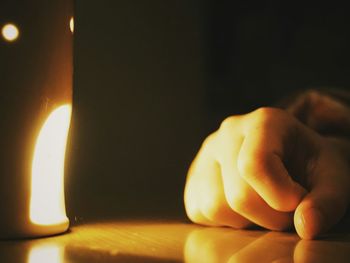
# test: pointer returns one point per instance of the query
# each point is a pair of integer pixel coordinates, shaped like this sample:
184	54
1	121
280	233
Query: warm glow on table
47	189
174	241
48	253
10	32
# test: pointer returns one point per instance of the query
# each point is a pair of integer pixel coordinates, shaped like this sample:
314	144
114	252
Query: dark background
153	78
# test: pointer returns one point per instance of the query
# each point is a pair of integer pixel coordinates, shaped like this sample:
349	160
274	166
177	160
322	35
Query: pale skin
267	168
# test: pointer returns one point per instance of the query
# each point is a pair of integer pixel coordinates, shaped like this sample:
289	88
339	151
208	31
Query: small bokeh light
71	24
10	32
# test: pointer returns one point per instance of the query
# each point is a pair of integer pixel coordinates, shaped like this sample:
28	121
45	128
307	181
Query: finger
200	167
322	112
192	204
246	202
204	194
239	195
260	160
328	199
213	204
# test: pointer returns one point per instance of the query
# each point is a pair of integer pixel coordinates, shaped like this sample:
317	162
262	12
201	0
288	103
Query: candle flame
47	205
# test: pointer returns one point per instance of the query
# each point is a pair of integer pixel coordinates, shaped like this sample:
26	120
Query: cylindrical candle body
35	106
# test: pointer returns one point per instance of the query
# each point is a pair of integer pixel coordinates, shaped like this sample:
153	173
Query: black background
153	78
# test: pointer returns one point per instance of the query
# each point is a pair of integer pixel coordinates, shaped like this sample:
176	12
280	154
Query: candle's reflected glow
47	253
47	189
10	32
71	24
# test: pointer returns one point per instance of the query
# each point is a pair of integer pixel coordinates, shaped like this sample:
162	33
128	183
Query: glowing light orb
71	24
10	32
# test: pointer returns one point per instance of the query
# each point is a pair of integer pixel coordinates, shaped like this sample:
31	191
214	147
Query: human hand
325	111
267	168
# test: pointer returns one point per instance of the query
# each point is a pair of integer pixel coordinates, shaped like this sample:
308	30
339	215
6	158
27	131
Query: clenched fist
269	169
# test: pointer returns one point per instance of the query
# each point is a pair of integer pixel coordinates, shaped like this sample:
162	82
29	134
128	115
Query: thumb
328	199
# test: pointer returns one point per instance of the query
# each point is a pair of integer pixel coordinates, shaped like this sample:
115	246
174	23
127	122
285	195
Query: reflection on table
156	241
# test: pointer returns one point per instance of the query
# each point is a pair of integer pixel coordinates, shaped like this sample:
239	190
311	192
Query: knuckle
251	166
207	148
313	95
228	124
209	141
265	115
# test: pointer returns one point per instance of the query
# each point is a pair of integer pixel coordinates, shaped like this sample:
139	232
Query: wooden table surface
172	241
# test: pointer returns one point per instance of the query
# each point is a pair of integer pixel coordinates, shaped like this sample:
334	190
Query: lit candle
35	112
